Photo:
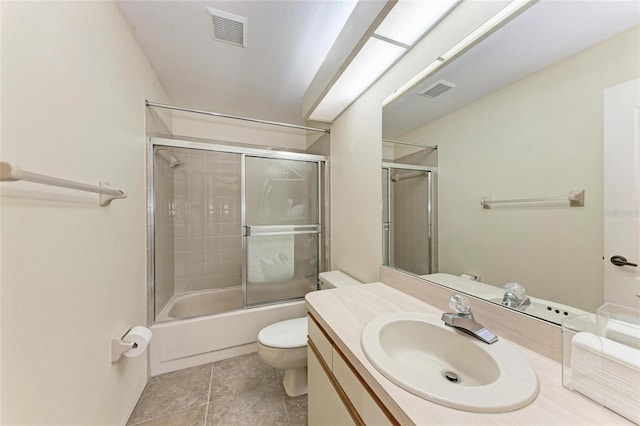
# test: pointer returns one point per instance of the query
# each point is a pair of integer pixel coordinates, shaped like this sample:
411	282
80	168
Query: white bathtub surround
210	302
195	341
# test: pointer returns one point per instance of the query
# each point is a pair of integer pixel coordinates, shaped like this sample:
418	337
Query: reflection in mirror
522	118
407	215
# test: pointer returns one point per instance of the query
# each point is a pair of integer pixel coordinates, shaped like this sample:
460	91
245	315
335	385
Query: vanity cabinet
337	394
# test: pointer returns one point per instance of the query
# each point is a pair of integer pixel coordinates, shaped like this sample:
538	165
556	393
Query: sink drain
451	376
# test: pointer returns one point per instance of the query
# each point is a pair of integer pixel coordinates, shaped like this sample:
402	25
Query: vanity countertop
343	313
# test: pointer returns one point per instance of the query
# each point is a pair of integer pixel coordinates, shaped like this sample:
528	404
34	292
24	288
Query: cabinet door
367	408
325	406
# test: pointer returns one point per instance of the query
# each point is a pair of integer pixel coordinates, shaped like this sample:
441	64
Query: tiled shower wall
208	250
164	247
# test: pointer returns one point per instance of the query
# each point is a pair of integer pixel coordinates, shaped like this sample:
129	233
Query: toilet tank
334	279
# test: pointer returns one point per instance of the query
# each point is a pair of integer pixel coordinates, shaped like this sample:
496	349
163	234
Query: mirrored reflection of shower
410	214
398	177
407	218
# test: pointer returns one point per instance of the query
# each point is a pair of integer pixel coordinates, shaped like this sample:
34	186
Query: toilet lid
285	334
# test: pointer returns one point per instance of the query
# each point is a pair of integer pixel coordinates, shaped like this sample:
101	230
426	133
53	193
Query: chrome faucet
463	320
515	297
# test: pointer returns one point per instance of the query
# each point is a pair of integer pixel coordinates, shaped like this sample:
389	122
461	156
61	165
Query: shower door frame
387	224
322	184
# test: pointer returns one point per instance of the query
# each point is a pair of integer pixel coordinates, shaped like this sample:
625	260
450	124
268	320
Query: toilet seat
285	334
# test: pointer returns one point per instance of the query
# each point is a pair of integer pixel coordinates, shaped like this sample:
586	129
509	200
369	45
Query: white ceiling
547	32
286	44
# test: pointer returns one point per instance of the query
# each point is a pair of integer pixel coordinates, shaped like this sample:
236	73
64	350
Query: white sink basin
419	353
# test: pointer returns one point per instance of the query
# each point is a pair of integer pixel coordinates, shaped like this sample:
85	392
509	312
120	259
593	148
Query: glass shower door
281	228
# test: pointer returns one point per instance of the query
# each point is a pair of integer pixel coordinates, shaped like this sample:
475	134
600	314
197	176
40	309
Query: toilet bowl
283	345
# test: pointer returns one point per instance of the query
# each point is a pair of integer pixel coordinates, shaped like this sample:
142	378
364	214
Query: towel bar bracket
106	199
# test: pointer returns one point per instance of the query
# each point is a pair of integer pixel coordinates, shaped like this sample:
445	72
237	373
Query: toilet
283	345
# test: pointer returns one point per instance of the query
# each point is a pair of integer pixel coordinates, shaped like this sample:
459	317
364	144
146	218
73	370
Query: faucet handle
460	304
516	289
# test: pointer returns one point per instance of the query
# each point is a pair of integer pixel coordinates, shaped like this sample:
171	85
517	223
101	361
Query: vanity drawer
321	342
363	402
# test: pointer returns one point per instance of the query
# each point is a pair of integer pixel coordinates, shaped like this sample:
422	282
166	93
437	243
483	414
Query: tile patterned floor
236	391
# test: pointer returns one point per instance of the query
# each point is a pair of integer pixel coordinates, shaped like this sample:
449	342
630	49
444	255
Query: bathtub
180	343
199	303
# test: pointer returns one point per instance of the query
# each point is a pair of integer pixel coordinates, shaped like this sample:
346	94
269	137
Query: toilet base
295	381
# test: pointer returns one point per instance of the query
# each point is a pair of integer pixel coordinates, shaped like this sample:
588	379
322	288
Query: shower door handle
246	231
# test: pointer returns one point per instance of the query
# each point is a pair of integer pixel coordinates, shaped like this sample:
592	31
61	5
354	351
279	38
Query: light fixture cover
373	59
410	19
485	28
505	13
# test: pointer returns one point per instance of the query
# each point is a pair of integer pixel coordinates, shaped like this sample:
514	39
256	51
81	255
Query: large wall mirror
518	116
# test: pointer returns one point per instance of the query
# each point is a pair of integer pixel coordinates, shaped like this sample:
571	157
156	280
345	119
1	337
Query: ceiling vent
437	89
228	28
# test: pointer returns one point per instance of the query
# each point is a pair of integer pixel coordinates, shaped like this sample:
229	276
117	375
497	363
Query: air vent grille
228	28
437	89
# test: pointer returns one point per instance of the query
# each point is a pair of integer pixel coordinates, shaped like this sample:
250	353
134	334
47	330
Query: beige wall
356	150
356	196
541	136
73	274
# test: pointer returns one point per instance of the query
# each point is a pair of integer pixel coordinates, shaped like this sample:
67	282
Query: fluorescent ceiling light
487	26
373	59
469	40
409	19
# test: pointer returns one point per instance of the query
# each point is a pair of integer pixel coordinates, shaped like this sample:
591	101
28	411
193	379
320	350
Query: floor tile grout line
190	407
206	413
282	394
286	412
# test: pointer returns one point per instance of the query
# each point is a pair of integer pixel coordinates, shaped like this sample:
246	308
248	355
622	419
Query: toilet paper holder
118	347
